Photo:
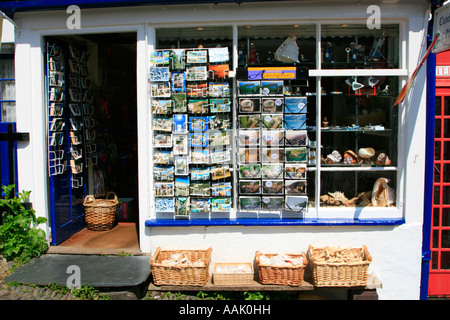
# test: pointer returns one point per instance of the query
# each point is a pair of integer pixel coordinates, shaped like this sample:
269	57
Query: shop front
258	126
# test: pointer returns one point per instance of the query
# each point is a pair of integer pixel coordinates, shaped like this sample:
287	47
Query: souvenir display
272	171
181	186
249	171
164	189
270	105
166	205
295	104
161	106
200	173
295	171
250	186
249	105
180	144
199	205
181	206
198	106
250	203
163	173
248	137
221	189
221	204
272	186
159	74
162	140
179	123
272	121
272	203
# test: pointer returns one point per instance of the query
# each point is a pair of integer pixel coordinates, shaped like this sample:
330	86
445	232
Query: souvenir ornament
288	51
382	194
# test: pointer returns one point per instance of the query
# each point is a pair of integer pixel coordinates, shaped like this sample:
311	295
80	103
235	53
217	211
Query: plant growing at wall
20	237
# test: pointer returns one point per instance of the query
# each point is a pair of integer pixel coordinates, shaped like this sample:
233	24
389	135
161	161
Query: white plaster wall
396	250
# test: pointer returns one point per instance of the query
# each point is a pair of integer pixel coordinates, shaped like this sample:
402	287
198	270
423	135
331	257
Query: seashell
338	196
335	156
383	159
366	153
350	157
382	194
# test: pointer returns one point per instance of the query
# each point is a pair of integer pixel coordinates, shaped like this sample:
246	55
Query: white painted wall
396	250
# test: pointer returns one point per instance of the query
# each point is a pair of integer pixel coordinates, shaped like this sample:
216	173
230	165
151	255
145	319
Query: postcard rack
273	148
192	132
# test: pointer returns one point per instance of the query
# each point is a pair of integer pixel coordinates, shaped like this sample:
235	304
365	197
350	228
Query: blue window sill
272	222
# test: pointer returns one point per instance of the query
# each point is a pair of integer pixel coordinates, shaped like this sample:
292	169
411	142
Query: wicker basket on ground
101	214
291	275
347	268
192	269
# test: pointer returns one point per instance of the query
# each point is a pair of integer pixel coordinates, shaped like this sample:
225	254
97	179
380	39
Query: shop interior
98	78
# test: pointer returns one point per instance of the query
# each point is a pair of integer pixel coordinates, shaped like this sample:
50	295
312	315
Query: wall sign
272	73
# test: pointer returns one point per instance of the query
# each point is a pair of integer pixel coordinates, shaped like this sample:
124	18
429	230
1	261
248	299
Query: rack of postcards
272	146
192	122
81	122
56	98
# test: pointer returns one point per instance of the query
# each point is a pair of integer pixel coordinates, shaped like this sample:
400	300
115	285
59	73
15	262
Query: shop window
273	117
7	89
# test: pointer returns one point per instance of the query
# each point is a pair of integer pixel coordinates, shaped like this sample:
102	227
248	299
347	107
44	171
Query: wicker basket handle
114	198
155	255
90	199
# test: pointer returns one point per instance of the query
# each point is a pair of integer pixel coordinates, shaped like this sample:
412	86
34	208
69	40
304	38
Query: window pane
445	260
435	217
434	260
8	90
446	217
445	240
356	46
8	113
438	105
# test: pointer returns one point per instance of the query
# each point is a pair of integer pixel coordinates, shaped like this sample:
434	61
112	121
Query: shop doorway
92	137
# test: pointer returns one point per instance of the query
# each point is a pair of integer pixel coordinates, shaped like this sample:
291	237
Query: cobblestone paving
24	292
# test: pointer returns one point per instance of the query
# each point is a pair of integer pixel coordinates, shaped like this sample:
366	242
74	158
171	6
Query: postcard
178	80
196	73
220	155
272	203
220	105
178	59
221	121
219	71
220	204
295	121
199	205
180	123
181	165
161	106
200	189
218	55
219	89
179	102
180	144
161	173
160	89
249	87
199	139
196	56
164	189
198	106
250	203
198	123
221	189
163	157
295	171
296	154
219	138
159	74
249	121
249	105
220	172
248	154
159	57
199	156
200	173
197	90
272	105
296	137
296	203
182	186
272	121
248	137
162	140
295	187
166	205
249	171
249	186
272	186
295	104
272	138
272	87
181	206
272	154
272	171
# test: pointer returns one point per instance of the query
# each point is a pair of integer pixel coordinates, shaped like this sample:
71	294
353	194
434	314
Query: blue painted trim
11	7
272	222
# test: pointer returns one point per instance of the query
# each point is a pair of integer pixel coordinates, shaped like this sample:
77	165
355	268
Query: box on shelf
233	273
126	210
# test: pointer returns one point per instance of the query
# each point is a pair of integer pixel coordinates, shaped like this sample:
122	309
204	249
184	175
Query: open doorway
92	133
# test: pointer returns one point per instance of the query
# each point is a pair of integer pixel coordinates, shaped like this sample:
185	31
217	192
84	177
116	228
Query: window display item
198	106
162	140
182	206
159	74
383	195
161	106
196	56
198	124
272	186
272	203
220	105
249	186
179	123
181	186
248	154
164	189
163	157
296	137
200	174
162	123
249	87
221	204
272	171
295	121
221	189
295	187
295	171
200	205
181	165
272	87
218	55
220	172
296	203
296	154
249	121
250	203
178	81
272	105
180	144
249	171
163	173
288	51
247	105
295	104
248	137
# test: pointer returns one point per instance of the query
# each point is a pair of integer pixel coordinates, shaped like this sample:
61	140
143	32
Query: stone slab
96	271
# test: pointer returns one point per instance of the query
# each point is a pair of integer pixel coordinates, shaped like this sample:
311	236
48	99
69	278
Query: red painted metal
439	275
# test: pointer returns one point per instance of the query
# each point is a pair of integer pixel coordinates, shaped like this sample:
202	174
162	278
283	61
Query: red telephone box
439	277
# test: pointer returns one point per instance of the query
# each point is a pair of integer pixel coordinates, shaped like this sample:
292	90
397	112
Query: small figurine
328	53
325	122
252	54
